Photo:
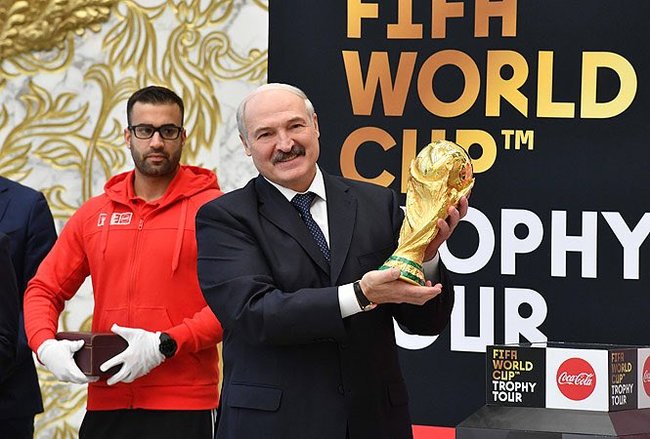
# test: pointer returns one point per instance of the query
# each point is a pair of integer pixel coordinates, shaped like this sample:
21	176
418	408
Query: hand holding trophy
439	176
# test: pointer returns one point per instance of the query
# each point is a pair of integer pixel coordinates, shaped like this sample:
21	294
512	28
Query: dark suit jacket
26	218
9	309
293	368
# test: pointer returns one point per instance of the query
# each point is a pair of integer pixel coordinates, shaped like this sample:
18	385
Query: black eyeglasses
167	132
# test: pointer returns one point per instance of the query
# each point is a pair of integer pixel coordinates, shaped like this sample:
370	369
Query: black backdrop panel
561	160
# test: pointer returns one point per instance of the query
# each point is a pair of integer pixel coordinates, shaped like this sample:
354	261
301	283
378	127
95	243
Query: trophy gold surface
438	177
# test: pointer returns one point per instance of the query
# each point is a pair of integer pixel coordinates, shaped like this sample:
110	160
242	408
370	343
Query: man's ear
183	137
315	122
247	148
127	137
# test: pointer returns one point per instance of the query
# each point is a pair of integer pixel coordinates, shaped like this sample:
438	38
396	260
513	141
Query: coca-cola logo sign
576	379
646	376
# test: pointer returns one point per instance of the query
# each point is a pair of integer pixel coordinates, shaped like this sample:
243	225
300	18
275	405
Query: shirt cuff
348	301
430	269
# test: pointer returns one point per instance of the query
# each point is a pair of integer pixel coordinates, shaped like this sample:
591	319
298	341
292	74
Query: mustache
281	156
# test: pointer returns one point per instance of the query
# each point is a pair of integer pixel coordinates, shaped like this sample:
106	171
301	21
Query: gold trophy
439	176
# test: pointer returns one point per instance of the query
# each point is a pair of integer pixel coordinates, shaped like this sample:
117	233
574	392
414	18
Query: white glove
138	358
56	355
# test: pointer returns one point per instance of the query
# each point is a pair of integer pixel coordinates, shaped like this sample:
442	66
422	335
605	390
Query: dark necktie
302	202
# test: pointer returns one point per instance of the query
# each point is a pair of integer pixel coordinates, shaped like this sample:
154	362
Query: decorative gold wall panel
66	70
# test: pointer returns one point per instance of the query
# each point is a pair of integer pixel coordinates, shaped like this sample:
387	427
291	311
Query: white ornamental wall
66	70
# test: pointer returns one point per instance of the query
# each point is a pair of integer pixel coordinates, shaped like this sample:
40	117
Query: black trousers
148	424
18	428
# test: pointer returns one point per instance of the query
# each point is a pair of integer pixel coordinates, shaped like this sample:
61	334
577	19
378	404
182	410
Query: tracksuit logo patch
117	219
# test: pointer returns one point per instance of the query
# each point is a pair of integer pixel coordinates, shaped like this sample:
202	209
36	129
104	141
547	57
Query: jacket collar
317	186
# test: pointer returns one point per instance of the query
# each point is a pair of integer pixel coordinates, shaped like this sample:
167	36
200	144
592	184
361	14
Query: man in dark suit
9	309
309	345
26	218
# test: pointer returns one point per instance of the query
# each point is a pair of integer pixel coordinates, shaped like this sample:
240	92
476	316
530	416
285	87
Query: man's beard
145	167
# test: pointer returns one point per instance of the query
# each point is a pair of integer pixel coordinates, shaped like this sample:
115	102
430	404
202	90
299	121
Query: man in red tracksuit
137	243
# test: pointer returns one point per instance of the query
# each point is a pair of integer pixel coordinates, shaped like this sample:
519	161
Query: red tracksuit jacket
142	261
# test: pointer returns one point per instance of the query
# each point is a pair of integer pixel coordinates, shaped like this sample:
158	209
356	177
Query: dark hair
156	95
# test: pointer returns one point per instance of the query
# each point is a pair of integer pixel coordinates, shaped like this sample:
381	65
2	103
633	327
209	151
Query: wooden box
98	347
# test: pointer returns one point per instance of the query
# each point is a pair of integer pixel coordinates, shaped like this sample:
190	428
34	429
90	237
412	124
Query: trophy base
410	271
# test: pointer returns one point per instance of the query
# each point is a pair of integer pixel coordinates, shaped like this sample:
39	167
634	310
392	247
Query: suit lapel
341	213
277	209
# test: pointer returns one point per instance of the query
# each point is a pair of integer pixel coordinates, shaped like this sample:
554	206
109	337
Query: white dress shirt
348	303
